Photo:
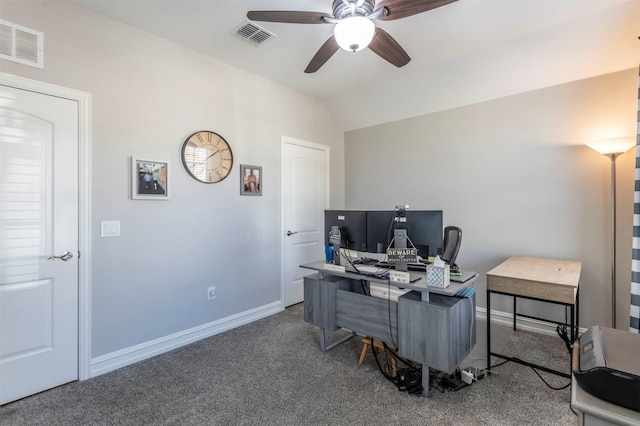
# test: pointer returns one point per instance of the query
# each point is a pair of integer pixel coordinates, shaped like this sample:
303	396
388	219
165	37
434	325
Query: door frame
286	140
84	205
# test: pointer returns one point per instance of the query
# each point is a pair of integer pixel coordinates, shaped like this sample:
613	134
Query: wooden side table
547	280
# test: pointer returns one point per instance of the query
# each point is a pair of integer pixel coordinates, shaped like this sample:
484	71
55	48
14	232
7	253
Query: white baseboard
523	323
118	359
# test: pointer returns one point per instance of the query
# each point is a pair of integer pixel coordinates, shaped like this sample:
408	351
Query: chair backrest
452	241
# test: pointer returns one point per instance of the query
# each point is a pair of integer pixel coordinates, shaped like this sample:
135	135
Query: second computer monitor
353	228
424	228
379	230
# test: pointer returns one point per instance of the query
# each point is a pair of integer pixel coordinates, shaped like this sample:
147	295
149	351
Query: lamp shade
613	145
354	33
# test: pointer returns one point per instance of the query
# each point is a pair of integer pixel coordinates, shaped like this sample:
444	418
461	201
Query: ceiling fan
354	28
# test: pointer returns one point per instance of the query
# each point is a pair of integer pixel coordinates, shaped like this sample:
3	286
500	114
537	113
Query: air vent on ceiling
20	44
253	33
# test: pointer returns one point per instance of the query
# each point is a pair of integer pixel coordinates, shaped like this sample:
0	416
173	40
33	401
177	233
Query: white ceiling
465	52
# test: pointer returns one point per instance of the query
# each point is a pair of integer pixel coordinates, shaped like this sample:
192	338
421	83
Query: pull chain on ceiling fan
354	28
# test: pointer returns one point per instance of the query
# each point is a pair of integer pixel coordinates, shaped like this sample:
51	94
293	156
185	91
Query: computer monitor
424	228
425	231
379	230
353	228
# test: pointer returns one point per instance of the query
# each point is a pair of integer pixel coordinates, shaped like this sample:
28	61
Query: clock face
207	157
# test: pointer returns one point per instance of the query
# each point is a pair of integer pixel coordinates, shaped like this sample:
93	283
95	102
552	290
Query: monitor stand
335	237
400	241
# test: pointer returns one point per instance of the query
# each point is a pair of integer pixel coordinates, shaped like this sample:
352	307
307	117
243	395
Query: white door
304	199
38	220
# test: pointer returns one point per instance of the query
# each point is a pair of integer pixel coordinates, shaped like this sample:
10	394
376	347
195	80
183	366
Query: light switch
109	228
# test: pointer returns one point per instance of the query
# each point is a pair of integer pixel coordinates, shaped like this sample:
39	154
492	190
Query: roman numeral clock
207	157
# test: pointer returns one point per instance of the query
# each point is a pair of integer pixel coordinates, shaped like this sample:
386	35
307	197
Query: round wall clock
207	156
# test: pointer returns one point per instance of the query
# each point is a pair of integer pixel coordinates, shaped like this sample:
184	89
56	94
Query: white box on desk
438	276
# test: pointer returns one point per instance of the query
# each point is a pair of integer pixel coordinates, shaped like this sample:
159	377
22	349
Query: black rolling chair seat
452	241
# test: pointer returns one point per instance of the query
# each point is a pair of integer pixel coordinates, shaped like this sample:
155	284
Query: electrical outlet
211	293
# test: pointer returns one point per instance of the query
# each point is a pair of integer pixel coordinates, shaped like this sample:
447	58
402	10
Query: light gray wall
515	175
511	172
148	95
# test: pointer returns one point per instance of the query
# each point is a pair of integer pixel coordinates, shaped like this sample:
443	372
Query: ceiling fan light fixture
354	33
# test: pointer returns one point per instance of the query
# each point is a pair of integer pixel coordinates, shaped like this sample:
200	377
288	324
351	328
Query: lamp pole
613	148
613	157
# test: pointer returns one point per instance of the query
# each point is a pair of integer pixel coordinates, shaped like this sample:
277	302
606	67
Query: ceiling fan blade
402	8
323	54
289	17
388	48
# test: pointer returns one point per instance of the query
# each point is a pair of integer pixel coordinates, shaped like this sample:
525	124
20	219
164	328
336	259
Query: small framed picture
149	179
250	180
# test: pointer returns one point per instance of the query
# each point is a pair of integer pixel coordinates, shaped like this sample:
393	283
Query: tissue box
438	276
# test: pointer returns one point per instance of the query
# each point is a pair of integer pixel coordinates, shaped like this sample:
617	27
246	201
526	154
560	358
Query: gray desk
420	285
427	324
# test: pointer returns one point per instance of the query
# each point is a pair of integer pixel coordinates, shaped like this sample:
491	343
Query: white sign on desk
332	267
399	277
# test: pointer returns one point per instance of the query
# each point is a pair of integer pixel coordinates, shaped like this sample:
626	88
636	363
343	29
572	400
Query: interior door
305	194
38	242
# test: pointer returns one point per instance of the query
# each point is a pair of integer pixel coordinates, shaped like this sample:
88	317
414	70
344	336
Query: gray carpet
271	372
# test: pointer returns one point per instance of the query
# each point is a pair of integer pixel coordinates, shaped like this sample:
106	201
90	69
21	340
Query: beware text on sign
407	255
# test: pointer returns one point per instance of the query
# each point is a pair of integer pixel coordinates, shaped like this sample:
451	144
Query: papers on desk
463	277
368	269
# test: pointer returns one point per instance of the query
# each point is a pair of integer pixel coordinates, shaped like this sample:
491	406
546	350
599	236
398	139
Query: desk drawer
320	299
438	333
367	315
532	289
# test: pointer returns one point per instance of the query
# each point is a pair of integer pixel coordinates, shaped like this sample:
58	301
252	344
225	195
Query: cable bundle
561	329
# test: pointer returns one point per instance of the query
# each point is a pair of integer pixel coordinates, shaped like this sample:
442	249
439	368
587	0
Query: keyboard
417	267
368	269
365	261
410	266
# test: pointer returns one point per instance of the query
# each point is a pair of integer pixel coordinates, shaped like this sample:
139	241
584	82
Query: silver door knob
64	256
289	233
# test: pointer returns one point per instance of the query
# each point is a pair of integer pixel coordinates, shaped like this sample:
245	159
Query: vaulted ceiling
464	52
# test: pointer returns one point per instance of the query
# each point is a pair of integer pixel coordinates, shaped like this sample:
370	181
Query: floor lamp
613	148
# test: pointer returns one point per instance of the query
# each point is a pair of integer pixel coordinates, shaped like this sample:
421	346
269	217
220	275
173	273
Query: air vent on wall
20	44
253	33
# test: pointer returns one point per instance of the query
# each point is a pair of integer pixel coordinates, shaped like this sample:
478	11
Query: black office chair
452	241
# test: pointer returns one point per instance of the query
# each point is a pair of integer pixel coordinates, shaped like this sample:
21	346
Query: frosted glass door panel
25	193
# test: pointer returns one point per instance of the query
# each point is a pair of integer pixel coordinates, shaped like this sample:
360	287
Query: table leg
573	323
323	344
573	336
426	390
577	312
488	332
514	312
